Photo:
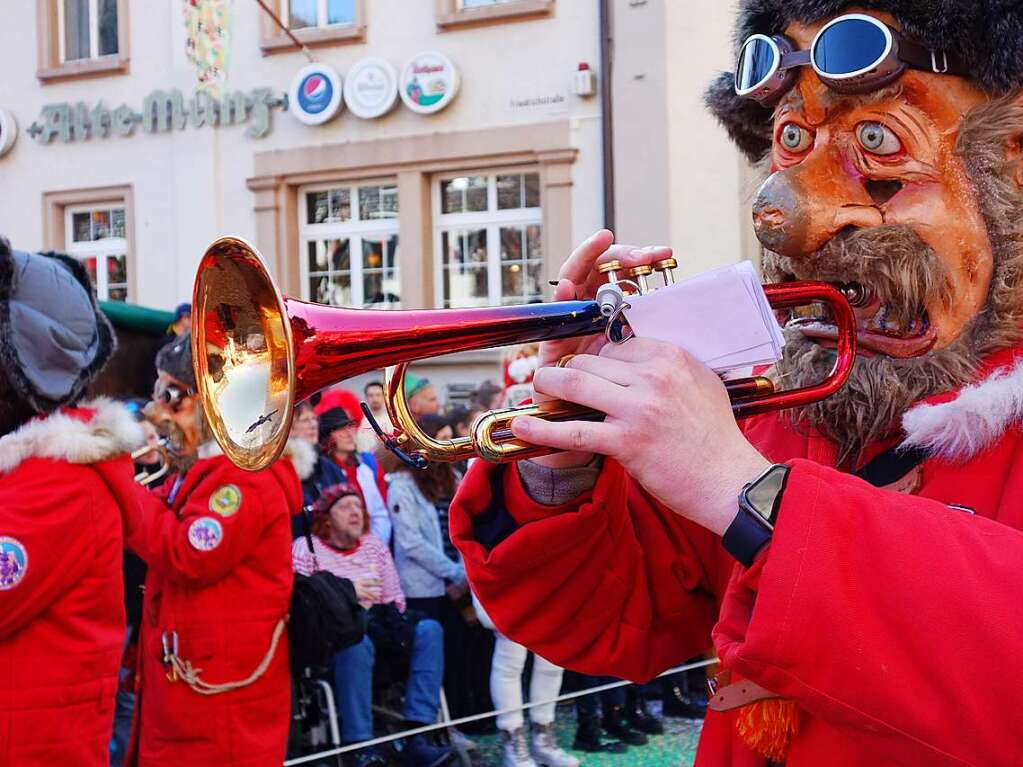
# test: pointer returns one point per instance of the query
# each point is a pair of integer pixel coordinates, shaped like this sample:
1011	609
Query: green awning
141	319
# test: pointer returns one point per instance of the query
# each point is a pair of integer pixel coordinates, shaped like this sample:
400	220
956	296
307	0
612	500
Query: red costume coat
220	575
894	621
63	482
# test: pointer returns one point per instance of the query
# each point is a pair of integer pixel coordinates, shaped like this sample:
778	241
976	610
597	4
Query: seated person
343	545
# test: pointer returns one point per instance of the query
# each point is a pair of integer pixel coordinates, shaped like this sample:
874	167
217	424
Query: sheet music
721	317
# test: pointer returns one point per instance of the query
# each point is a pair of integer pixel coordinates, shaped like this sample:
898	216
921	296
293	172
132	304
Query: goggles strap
939	62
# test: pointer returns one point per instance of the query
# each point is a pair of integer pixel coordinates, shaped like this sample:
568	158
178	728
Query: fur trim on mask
960	429
112	431
301	454
986	34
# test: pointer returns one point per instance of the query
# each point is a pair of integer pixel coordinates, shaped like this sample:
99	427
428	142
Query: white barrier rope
478	717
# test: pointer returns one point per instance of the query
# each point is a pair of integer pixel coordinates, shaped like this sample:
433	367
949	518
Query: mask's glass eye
795	138
877	139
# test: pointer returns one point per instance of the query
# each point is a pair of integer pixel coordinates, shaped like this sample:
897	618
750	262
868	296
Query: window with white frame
488	236
87	29
350	245
96	236
302	14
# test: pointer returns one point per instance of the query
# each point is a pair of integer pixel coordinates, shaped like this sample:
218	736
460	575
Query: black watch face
763	495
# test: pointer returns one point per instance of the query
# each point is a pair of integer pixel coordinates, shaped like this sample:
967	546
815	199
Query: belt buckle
716	682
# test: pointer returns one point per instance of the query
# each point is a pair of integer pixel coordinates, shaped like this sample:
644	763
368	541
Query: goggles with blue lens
854	53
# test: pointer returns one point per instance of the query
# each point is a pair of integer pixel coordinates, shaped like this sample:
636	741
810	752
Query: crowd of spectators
383	526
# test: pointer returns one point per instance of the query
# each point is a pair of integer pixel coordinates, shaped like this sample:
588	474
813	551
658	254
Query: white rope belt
477	717
183	670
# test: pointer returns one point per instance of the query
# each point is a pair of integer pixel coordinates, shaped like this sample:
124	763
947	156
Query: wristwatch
753	526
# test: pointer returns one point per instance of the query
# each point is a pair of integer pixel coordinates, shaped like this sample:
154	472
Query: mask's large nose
796	218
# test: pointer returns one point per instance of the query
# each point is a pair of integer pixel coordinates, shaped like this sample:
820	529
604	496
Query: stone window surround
49	68
56	203
273	40
414	161
451	16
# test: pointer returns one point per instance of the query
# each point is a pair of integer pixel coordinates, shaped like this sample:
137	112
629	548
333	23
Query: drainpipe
606	114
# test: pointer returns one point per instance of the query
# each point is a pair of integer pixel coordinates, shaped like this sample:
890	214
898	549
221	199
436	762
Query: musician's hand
579	280
669	423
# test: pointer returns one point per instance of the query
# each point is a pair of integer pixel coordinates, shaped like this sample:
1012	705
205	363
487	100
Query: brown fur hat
986	34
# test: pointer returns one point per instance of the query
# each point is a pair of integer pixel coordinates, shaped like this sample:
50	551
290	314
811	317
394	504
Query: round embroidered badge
205	534
226	500
13	562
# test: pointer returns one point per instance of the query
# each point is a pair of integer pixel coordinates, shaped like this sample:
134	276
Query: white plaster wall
189	186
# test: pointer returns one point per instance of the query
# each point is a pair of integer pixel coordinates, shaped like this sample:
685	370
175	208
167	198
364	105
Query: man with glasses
856	560
213	653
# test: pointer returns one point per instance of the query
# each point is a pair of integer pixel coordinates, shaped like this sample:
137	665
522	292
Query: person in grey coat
417	502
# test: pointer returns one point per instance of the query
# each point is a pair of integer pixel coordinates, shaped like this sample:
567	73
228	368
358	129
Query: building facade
463	162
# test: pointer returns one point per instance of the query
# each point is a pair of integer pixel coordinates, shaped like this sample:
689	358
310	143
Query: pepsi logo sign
315	95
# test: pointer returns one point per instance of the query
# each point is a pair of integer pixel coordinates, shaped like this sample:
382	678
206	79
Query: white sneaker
546	750
516	749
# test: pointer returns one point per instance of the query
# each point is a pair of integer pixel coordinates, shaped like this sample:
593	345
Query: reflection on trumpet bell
257	353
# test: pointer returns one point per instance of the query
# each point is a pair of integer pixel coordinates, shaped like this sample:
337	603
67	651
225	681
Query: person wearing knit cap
855	561
422	396
65	478
343	544
337	440
213	652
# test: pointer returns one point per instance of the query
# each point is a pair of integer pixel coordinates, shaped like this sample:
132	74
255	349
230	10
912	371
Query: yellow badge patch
226	500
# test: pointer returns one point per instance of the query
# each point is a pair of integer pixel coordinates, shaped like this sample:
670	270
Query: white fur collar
110	432
300	452
979	415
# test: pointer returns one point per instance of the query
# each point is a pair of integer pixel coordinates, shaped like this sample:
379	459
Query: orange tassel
768	726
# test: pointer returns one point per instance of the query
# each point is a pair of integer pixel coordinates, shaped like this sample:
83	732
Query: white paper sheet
721	317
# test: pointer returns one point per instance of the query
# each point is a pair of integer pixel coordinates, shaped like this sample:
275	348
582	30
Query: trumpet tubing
258	353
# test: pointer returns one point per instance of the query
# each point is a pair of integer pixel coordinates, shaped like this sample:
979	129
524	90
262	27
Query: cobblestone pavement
677	747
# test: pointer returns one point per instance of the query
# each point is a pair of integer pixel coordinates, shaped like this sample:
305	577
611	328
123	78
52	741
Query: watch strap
745	537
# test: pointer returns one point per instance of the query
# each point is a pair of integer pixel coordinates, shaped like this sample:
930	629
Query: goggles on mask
854	53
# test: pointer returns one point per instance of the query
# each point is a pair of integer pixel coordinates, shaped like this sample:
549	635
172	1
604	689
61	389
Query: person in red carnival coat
878	622
65	476
213	679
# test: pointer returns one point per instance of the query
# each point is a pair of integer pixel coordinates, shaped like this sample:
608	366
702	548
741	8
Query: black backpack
326	616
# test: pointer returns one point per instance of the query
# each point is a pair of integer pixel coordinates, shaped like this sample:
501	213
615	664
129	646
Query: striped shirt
369	559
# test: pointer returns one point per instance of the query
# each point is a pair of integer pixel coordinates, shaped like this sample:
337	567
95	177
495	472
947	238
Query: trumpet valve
666	268
641	274
611	269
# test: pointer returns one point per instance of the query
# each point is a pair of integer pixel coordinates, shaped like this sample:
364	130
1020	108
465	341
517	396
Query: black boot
638	716
616	726
588	738
681	699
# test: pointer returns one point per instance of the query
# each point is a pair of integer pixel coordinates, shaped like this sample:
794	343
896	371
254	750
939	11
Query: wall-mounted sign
8	131
371	88
162	112
428	82
315	94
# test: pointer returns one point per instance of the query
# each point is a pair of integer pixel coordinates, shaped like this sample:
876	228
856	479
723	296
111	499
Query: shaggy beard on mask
906	273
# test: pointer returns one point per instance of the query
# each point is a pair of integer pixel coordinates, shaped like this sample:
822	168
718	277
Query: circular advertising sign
428	82
315	94
8	131
371	88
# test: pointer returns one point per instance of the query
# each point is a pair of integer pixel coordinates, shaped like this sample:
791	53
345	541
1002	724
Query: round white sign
8	131
428	82
371	88
315	94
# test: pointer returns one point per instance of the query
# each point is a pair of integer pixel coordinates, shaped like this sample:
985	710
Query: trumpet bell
242	351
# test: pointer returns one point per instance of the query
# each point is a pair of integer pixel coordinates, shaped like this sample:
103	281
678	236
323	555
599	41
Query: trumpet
257	353
146	478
